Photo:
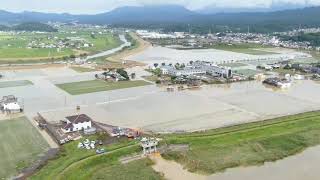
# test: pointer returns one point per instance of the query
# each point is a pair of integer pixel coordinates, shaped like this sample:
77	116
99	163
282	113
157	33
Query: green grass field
14	47
139	169
73	163
84	87
12	54
246	48
102	42
247	144
7	84
21	144
80	69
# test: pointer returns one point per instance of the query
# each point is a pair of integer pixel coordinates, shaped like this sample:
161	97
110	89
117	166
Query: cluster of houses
307	68
113	76
9	104
60	43
196	40
157	35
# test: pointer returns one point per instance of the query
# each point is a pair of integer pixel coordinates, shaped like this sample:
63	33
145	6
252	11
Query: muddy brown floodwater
303	166
172	170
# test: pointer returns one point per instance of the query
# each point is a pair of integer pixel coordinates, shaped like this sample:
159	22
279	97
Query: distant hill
29	26
34	26
26	16
145	14
4	28
177	18
274	7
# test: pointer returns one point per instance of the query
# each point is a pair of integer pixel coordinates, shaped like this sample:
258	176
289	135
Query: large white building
213	69
197	68
77	123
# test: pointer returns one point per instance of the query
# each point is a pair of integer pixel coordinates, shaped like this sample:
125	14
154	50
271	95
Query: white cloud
96	6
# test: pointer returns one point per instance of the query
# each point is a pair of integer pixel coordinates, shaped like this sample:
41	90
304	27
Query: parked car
100	151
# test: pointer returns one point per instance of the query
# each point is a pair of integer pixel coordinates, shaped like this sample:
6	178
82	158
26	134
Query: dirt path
44	134
173	170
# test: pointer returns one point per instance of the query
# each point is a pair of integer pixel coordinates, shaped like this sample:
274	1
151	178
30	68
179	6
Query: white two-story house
77	123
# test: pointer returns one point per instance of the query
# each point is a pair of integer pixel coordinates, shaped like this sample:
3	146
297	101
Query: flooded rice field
152	108
168	55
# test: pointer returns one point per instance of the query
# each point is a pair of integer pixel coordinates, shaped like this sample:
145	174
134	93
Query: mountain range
173	14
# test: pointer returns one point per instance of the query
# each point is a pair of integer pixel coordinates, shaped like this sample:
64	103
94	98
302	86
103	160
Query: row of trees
177	65
121	72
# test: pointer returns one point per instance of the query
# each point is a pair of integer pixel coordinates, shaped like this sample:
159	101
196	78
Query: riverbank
301	166
209	152
247	144
139	46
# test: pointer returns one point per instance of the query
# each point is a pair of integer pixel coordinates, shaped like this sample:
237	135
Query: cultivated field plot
21	144
7	84
84	87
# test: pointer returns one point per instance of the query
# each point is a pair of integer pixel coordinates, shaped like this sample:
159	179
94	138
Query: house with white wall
10	104
77	123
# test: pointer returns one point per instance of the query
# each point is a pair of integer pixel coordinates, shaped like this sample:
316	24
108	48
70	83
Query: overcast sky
97	6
